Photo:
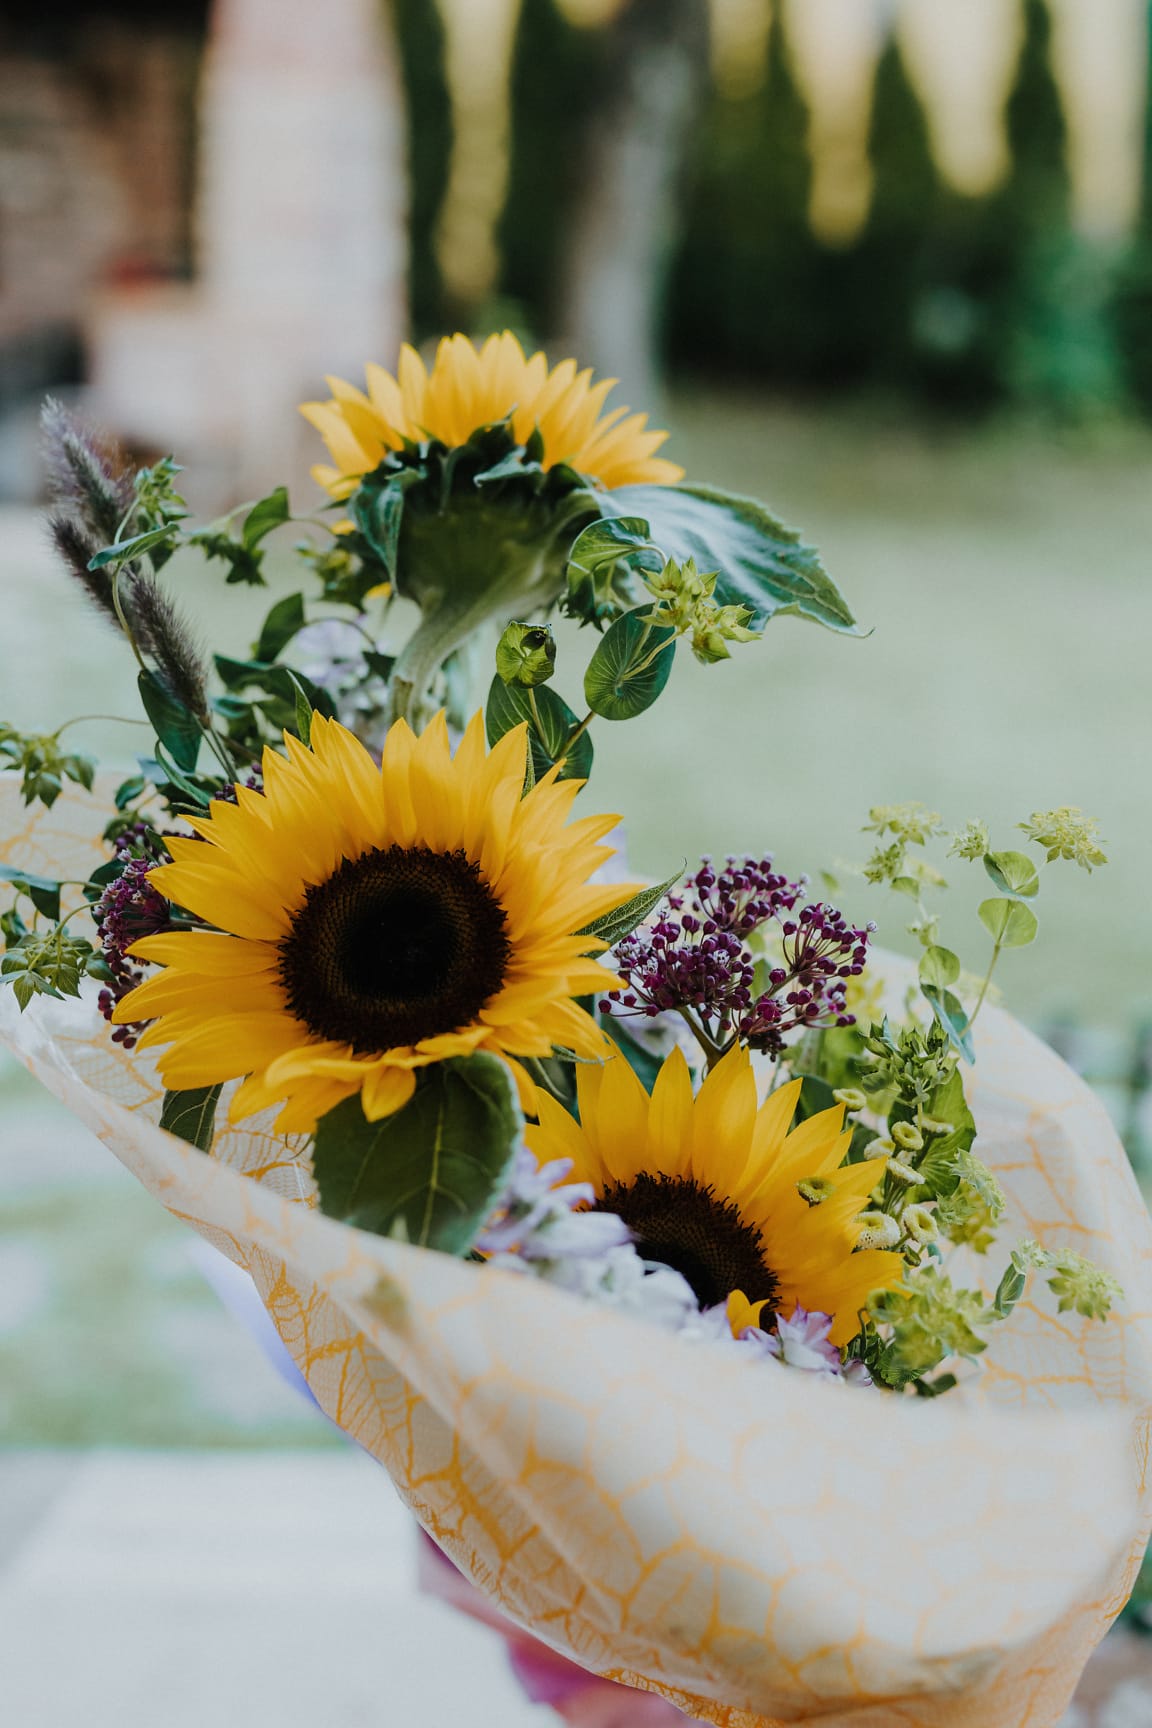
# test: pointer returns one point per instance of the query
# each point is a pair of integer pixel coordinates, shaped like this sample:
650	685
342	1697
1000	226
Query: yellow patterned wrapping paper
759	1547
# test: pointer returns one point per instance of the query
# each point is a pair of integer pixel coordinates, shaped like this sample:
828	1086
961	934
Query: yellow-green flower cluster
1067	833
970	1214
686	602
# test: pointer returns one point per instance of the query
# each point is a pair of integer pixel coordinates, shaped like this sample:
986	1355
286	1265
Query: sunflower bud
526	655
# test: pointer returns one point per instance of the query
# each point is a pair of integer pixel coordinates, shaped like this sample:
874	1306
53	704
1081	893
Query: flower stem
984	986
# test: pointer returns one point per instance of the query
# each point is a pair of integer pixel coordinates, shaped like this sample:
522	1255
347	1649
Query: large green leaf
550	724
266	514
175	726
1009	922
1013	873
431	1172
761	563
286	618
43	891
606	567
630	667
191	1115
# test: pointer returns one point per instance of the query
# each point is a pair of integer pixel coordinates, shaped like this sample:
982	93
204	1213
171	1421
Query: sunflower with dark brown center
709	1184
371	919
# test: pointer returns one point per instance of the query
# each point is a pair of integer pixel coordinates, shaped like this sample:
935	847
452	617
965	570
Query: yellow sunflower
371	919
709	1185
468	388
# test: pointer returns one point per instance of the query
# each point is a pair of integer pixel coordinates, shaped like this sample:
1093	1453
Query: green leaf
614	926
606	568
510	704
1013	873
191	1115
939	966
950	1014
643	1063
526	654
1010	1289
282	623
762	563
431	1171
123	550
268	513
1009	922
378	511
43	892
629	668
303	711
174	725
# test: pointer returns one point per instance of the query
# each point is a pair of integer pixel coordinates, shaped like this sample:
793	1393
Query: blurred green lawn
1005	579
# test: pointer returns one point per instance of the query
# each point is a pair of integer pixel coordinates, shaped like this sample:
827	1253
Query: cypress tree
886	275
1058	343
554	69
1132	303
741	290
420	39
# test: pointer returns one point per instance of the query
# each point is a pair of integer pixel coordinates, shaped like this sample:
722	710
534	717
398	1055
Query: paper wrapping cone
758	1546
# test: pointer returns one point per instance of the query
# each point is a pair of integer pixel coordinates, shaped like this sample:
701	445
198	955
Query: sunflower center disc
398	945
699	1235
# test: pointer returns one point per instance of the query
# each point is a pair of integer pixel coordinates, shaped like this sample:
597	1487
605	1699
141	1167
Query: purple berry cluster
129	909
695	958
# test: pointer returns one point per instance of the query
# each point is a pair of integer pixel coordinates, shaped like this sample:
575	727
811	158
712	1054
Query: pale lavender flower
536	1217
802	1342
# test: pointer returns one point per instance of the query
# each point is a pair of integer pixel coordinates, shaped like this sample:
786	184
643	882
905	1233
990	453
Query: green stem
540	1074
124	624
712	1051
984	986
576	734
80	719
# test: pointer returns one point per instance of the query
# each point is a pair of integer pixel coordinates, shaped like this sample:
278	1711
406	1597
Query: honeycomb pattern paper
757	1546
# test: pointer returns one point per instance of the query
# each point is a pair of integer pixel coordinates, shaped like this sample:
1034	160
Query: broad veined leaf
191	1115
1013	873
761	563
630	667
175	726
606	567
1009	922
431	1172
550	725
939	966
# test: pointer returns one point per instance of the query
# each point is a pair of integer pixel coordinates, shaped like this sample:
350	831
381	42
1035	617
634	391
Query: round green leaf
1009	922
1013	873
509	705
939	966
630	667
430	1172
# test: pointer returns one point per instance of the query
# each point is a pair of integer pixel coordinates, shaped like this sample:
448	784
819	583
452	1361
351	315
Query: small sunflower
371	919
469	388
709	1184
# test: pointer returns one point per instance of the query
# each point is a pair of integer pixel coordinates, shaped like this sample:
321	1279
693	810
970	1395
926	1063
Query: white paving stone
178	1590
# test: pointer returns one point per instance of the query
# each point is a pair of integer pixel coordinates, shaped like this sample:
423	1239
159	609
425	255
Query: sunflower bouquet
592	1208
